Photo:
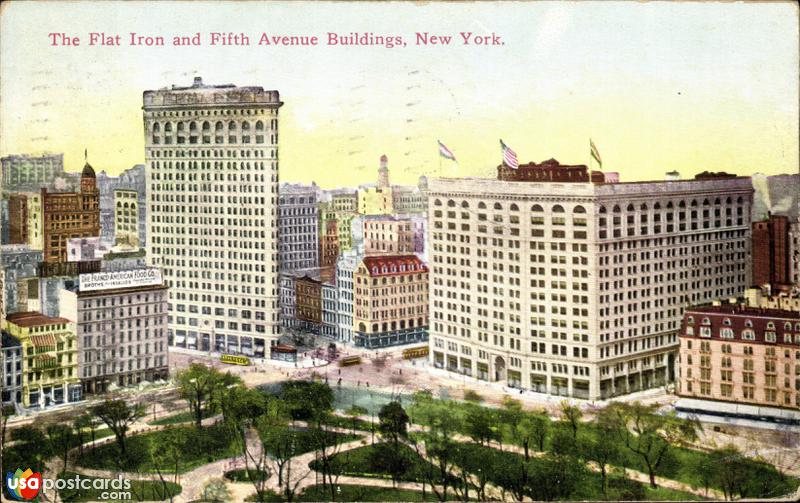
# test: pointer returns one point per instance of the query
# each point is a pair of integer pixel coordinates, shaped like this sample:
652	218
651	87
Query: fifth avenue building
212	195
551	278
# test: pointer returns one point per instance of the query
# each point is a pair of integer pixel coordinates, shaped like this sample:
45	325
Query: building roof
745	311
88	171
393	265
34	319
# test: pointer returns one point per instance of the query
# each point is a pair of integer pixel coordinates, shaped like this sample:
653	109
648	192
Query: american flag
509	156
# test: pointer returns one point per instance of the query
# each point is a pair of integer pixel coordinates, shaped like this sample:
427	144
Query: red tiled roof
390	265
34	319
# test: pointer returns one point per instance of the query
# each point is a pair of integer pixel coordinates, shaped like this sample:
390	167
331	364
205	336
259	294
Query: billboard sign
120	279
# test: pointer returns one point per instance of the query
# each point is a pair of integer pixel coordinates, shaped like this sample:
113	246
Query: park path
302	476
629	473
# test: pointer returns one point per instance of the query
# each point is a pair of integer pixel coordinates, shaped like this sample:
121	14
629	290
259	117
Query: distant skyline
657	86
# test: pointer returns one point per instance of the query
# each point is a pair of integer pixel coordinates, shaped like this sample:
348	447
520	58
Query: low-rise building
49	358
740	354
20	265
11	369
287	298
308	294
388	235
330	326
121	321
390	301
787	299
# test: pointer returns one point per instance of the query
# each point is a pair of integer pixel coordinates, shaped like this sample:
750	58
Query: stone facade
212	196
330	326
11	369
390	301
126	218
122	334
49	359
345	268
31	173
577	289
297	222
387	235
20	278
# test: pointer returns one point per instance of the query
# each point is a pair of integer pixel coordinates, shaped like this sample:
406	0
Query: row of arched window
557	208
206	126
747	323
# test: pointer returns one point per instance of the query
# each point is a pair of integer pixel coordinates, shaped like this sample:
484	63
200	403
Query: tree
480	425
649	434
118	416
307	400
562	442
555	477
202	386
572	415
241	406
166	456
436	443
354	412
393	427
602	451
60	439
279	442
524	428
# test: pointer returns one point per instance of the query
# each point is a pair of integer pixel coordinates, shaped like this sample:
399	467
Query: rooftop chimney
198	82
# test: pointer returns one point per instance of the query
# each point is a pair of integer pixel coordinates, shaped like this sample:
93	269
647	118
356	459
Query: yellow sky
657	86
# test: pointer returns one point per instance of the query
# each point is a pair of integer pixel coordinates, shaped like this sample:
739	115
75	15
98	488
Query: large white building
577	288
346	265
212	192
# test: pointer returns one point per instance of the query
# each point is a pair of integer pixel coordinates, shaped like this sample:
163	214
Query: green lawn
346	422
364	493
500	468
200	446
140	490
304	439
367	461
181	417
681	463
33	456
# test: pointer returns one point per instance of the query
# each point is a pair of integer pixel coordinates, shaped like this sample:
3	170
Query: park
302	440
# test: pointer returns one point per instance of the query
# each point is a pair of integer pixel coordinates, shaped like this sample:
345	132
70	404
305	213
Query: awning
45	340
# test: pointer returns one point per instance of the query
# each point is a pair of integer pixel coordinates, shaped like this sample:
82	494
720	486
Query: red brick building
17	219
308	295
68	215
549	171
741	354
771	251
